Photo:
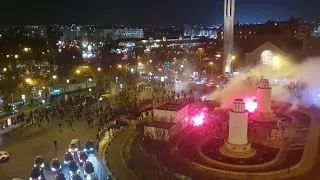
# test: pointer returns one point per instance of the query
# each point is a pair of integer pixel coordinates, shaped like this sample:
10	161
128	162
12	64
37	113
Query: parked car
75	177
74	145
88	168
60	176
55	165
36	174
82	156
68	157
39	162
89	146
92	177
73	168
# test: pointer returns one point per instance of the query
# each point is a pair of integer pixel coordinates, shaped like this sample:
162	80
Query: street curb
103	155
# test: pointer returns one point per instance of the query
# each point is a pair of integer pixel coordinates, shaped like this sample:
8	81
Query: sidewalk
12	127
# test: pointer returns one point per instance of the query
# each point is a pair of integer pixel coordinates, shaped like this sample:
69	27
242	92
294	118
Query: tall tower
237	145
263	111
229	6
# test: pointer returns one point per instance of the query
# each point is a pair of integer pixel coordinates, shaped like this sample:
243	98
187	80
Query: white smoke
307	72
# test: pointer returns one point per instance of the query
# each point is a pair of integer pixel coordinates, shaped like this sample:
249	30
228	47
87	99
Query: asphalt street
25	144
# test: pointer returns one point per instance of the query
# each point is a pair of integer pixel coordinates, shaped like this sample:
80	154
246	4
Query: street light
4	69
16	56
26	49
99	69
78	71
90	79
68	81
54	80
276	59
28	80
140	64
119	66
211	64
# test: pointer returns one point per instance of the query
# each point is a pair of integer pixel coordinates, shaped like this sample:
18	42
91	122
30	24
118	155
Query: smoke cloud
278	74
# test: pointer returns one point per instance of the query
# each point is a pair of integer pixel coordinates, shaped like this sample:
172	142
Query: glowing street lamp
78	71
212	65
90	79
4	69
99	69
28	80
140	64
276	59
26	49
119	66
68	81
54	80
16	56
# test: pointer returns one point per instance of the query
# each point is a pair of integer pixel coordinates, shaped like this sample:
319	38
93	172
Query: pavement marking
122	156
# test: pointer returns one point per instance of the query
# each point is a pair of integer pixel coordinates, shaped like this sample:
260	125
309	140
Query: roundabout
239	146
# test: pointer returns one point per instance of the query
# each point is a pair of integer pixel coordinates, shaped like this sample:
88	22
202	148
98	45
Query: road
115	158
25	144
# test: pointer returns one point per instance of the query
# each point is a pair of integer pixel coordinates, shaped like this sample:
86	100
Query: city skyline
161	12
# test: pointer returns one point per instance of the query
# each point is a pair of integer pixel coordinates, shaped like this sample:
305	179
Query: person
97	147
60	128
55	142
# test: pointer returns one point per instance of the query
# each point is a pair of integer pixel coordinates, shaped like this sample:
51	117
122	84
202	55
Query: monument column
228	26
237	144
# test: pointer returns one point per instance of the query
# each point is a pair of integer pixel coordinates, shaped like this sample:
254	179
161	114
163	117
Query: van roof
74	141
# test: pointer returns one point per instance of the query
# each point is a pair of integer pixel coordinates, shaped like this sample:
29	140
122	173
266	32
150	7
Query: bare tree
253	81
296	89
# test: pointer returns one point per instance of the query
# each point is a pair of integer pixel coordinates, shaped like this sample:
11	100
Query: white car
92	177
74	145
4	156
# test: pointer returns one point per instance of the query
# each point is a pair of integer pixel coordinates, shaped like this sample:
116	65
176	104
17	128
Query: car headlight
76	149
85	149
70	172
91	149
42	165
53	169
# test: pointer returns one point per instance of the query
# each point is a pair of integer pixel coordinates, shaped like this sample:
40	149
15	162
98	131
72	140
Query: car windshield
89	143
38	160
73	146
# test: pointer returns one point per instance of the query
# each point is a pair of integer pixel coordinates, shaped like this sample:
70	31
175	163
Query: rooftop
171	106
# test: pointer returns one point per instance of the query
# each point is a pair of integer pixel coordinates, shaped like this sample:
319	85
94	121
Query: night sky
151	11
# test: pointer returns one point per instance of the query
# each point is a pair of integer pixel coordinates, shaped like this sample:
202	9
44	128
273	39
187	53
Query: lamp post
54	80
232	58
78	72
211	64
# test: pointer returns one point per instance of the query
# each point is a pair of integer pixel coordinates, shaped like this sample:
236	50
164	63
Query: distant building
73	32
168	120
264	54
33	31
315	32
210	32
